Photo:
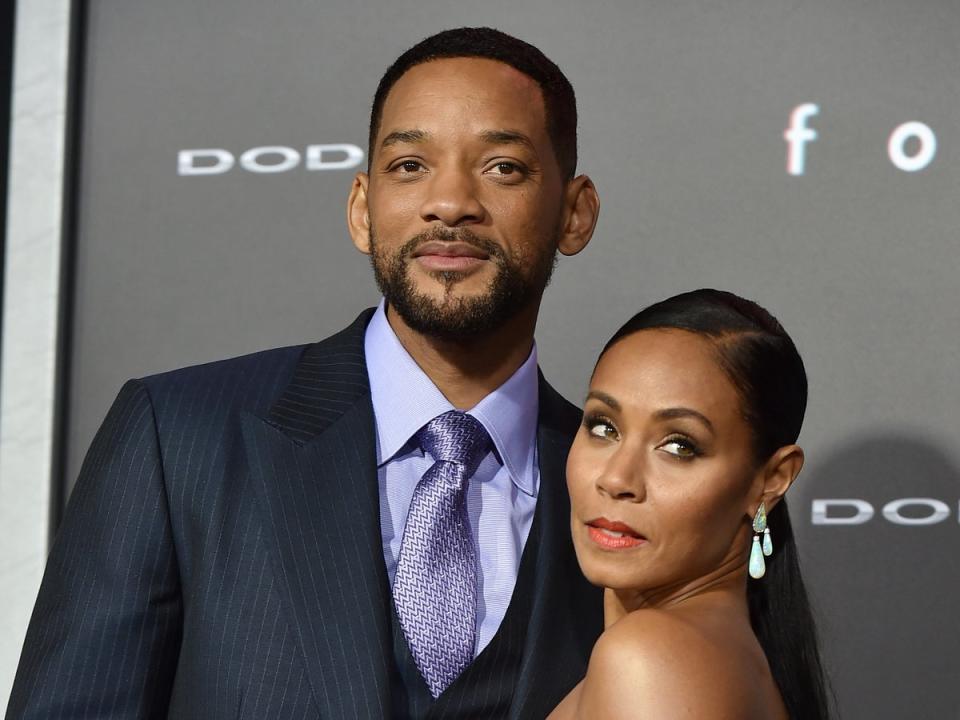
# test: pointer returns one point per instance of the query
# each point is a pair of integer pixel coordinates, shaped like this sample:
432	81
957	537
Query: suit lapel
567	614
313	467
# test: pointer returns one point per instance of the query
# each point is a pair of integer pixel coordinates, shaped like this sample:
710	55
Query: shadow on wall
884	570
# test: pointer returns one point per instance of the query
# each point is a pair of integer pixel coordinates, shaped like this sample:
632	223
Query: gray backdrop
683	108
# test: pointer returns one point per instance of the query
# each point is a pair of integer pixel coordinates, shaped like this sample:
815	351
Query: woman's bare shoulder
655	664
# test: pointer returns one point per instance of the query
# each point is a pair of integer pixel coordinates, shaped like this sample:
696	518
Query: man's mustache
451	235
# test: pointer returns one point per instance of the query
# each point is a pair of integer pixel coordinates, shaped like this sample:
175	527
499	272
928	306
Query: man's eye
505	169
680	448
409	166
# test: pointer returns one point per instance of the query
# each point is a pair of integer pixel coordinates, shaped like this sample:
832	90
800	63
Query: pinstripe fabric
221	558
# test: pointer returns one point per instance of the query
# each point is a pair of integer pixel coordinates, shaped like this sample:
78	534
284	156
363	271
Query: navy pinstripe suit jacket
221	554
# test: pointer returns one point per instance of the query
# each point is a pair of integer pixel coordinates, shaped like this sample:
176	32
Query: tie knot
455	437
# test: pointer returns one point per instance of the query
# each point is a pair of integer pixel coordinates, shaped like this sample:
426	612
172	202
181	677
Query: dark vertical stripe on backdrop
7	20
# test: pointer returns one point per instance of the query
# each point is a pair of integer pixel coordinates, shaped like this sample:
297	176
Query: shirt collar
405	399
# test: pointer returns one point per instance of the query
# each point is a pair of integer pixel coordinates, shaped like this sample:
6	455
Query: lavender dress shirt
502	494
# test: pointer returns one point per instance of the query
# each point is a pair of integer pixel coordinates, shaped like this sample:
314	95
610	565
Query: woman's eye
680	448
602	429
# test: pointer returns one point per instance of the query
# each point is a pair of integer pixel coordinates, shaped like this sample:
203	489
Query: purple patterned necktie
435	588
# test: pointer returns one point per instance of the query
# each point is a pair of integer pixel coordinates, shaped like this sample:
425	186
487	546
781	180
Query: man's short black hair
560	103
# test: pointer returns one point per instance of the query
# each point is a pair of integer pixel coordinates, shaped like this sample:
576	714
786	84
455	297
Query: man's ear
778	474
581	210
358	213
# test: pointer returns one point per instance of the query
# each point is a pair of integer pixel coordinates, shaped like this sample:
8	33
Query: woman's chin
620	579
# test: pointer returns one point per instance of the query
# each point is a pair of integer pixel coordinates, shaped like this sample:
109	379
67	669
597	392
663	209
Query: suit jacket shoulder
556	411
192	398
198	409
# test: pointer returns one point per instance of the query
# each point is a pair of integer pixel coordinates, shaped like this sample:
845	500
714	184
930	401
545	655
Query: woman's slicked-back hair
560	103
752	348
763	364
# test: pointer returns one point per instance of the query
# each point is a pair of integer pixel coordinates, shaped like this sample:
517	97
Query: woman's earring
757	566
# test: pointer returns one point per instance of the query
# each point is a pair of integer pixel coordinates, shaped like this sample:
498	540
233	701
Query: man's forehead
475	68
470	80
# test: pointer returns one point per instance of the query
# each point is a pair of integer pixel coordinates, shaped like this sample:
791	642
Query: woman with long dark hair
676	482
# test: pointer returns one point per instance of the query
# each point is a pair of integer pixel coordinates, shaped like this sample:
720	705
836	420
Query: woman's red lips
614	525
613	535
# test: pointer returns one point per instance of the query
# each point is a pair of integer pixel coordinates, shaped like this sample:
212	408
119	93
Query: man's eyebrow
506	137
604	398
404	136
683	412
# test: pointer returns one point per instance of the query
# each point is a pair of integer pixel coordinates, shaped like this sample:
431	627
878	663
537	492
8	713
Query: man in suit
375	525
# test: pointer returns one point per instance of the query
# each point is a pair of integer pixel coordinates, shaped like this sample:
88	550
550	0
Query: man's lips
450	250
449	256
613	534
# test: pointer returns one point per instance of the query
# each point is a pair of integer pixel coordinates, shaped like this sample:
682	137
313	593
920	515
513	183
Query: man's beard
457	318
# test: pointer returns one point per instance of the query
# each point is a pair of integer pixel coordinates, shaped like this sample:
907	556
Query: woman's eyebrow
683	412
604	398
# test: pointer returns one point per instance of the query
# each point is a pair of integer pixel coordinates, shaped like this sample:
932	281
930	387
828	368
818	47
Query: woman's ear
778	474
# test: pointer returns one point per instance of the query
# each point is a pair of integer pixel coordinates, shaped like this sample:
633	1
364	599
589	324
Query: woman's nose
621	478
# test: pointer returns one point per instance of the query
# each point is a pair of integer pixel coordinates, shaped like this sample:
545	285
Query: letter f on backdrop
798	135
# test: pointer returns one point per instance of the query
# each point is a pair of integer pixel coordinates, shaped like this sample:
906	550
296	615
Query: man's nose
452	199
621	478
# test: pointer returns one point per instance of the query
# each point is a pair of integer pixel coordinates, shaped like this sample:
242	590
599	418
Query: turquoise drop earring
757	566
